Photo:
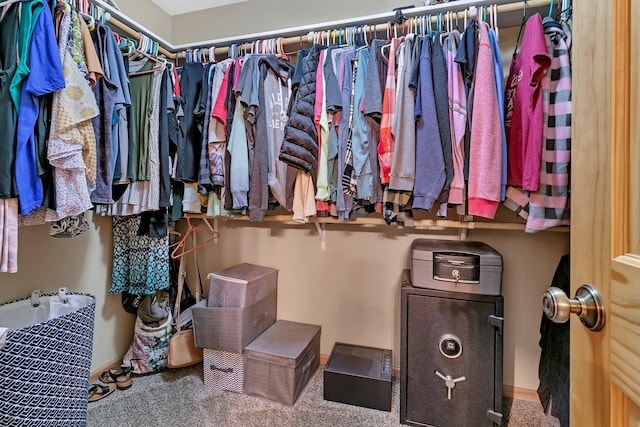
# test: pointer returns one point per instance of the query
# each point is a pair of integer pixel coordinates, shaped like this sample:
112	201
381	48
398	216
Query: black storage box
359	376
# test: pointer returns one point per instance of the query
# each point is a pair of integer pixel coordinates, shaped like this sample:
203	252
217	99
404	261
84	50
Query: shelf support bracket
321	229
469	225
213	229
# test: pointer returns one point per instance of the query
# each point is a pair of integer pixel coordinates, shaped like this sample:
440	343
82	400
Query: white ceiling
175	7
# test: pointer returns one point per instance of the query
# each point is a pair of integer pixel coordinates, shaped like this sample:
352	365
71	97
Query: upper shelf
430	224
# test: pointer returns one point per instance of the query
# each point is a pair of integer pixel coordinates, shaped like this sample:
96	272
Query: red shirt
523	118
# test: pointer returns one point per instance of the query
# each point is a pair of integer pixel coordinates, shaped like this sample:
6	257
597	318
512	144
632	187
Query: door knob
587	304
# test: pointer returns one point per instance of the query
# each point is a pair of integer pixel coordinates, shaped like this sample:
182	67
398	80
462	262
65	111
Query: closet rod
305	32
122	22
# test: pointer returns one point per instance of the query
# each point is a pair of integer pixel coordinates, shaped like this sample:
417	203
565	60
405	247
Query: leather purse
182	350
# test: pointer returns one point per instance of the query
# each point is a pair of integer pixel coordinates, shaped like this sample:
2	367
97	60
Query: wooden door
605	229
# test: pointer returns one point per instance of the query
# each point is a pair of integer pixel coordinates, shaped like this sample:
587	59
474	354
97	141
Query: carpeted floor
180	398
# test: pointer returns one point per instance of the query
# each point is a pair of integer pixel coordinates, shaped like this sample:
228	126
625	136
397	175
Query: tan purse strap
182	274
195	262
176	309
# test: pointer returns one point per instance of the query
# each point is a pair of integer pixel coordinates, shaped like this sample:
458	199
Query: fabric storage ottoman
223	370
281	361
242	304
359	375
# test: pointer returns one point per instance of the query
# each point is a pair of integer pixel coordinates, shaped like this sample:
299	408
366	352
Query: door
605	229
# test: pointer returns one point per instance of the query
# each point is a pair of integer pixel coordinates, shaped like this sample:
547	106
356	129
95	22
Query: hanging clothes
344	202
266	170
105	91
549	206
430	170
498	71
485	164
403	164
277	93
217	141
140	263
203	114
8	114
466	57
46	77
300	146
359	139
372	109
523	119
441	93
9	235
187	166
457	118
71	135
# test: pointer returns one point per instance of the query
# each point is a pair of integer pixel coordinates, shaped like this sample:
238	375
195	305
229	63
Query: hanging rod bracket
399	17
321	229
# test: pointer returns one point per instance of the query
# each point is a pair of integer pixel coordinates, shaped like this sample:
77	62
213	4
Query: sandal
121	377
100	391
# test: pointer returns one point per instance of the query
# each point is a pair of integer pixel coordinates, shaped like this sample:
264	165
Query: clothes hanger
524	21
147	48
549	21
8	2
91	21
494	14
161	64
180	251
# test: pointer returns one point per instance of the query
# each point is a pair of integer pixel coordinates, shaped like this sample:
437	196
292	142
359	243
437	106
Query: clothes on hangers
337	155
549	205
523	121
387	126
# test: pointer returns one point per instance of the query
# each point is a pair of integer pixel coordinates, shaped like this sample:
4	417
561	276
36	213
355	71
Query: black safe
359	375
451	357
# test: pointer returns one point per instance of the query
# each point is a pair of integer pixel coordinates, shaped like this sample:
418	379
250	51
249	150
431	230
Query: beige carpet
179	398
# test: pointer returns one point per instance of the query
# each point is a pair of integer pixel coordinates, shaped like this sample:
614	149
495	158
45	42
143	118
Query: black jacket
300	146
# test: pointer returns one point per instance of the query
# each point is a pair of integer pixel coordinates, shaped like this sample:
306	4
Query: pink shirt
523	119
485	164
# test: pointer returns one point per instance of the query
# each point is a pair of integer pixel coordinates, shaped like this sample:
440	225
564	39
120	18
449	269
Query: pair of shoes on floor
100	391
121	377
113	378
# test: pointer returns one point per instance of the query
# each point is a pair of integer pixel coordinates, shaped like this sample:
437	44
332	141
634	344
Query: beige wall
150	16
256	16
82	264
352	288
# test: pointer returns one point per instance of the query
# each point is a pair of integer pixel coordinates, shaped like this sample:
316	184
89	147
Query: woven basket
45	359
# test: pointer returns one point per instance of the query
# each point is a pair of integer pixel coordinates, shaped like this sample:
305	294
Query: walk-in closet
381	160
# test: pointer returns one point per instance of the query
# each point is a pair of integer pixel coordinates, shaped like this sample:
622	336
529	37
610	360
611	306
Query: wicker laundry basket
46	346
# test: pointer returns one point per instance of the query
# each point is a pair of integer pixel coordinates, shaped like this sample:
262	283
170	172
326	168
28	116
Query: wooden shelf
426	224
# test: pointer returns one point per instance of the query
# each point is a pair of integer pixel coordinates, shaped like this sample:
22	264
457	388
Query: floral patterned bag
148	351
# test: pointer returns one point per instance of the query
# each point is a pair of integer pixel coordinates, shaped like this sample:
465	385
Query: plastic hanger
149	49
8	2
524	20
91	21
180	251
494	20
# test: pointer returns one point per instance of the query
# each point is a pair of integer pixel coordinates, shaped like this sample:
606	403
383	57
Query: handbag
151	334
131	302
182	349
